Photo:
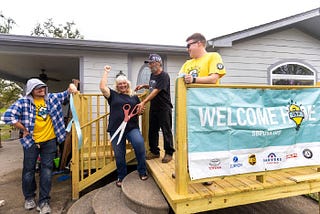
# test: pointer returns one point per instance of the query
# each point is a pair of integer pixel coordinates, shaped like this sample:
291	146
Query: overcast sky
152	21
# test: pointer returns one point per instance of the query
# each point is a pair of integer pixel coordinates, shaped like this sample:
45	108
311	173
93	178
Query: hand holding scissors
127	116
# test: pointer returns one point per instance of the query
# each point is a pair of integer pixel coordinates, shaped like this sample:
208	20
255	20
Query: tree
10	92
49	29
6	24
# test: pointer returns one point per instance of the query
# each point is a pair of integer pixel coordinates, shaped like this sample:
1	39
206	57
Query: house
285	51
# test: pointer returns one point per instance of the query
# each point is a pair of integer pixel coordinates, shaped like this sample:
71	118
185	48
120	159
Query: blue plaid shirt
24	111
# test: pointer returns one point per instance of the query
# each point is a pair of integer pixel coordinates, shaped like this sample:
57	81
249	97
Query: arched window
292	73
144	75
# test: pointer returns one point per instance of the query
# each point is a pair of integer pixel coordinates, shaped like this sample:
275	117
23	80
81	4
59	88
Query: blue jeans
47	153
137	142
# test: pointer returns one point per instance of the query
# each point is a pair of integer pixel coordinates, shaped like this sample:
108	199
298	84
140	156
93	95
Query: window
292	73
144	75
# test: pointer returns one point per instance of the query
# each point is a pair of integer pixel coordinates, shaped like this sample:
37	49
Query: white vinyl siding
93	70
248	62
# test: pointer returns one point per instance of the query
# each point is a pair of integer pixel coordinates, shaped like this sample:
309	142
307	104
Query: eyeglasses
191	43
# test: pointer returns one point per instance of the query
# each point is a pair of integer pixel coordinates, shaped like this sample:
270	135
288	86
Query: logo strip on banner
235	131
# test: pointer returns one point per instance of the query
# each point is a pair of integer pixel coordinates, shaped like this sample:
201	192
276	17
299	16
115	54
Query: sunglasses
191	43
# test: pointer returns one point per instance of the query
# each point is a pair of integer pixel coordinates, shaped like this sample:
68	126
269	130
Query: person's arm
141	106
21	127
211	79
105	90
12	115
141	86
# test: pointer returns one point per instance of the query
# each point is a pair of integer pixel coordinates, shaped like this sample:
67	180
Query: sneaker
44	208
152	156
167	158
29	204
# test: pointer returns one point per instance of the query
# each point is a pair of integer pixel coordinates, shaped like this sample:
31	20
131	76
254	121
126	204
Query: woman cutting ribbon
121	95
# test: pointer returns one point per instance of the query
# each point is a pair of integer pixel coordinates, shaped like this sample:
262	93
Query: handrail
95	120
181	138
95	159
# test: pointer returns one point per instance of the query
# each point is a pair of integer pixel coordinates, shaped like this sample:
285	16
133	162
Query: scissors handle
126	108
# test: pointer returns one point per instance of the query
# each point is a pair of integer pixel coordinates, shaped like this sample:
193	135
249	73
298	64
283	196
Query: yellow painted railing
181	137
95	159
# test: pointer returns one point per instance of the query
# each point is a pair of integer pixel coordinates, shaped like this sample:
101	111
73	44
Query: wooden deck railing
181	142
95	158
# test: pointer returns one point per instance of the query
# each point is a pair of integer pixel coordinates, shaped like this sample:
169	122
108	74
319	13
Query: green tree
10	92
50	29
6	24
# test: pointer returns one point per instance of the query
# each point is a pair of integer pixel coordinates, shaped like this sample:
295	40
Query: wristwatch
194	80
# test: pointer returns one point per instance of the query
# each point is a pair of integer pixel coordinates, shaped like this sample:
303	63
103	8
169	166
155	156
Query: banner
235	131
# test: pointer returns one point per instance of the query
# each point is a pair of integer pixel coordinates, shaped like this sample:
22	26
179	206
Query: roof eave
228	40
76	44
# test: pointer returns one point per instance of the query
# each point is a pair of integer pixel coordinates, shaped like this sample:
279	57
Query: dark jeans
47	153
137	142
163	120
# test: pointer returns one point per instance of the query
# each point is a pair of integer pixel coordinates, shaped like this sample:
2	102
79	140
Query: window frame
291	76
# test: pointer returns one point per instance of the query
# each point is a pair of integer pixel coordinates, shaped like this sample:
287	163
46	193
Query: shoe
208	183
167	158
29	204
143	177
152	156
118	183
44	208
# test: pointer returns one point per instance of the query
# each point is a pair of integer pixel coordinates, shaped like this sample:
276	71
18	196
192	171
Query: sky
166	22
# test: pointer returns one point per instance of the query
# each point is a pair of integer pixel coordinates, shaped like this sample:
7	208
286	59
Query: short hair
198	37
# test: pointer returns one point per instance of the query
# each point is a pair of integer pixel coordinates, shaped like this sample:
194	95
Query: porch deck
233	190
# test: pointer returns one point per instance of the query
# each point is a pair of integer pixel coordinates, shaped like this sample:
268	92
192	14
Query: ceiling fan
44	77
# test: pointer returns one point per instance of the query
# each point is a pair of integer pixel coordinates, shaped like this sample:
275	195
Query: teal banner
229	126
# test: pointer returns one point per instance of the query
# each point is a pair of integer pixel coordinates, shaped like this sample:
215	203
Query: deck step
143	197
84	204
109	200
135	196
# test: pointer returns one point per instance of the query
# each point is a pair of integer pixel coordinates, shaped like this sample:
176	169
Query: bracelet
194	80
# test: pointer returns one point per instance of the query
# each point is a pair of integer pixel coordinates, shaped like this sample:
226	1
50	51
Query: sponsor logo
292	155
252	159
307	153
272	159
235	163
220	66
296	114
214	164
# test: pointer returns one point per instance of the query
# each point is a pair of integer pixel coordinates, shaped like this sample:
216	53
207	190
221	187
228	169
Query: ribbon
75	119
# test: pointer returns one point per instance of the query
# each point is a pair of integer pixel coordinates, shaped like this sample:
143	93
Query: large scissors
127	116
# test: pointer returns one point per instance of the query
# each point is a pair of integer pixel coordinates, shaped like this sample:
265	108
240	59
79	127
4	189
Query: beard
154	69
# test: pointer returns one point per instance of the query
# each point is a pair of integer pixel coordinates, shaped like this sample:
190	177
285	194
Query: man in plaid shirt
39	116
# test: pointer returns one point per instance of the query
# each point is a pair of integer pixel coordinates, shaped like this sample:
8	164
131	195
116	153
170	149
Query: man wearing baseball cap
160	115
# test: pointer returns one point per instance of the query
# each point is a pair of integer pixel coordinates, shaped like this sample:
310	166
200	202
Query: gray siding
247	62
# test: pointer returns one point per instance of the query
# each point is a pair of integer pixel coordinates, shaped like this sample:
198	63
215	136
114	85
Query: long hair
122	78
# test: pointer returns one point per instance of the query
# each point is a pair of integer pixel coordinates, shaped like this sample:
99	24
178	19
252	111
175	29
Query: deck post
145	124
318	170
181	170
75	155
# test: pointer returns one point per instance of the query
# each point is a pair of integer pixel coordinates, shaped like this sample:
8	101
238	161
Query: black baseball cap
154	58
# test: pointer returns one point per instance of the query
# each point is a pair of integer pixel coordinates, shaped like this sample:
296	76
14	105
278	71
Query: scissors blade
117	131
121	133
